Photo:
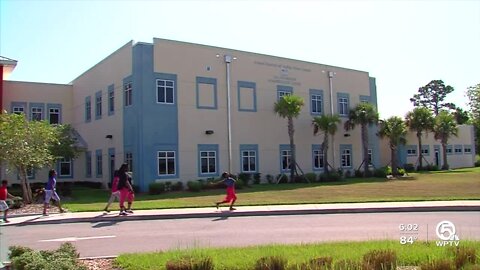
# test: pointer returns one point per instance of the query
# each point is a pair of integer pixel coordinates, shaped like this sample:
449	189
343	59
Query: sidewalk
208	212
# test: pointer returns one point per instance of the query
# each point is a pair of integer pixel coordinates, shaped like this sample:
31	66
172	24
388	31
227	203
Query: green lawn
461	184
245	257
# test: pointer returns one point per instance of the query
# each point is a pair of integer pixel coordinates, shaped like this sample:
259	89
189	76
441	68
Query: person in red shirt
3	200
231	196
115	192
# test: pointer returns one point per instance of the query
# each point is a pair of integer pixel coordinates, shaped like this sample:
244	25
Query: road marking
74	239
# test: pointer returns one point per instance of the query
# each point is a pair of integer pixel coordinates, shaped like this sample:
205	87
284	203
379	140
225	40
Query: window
449	149
88	165
208	161
467	149
30	173
316	103
98	105
127	88
166	163
370	157
425	150
318	159
65	167
111	100
54	115
247	96
18	110
458	149
36	114
286	158
88	109
99	163
129	160
412	151
165	90
249	161
283	91
343	106
346	155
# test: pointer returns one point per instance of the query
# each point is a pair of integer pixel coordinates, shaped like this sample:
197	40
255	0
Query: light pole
330	80
228	60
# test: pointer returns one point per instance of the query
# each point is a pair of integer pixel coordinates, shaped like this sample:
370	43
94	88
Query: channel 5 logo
447	232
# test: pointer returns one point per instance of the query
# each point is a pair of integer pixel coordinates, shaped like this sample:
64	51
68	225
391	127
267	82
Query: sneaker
123	213
63	210
231	208
6	221
44	214
217	204
106	210
129	211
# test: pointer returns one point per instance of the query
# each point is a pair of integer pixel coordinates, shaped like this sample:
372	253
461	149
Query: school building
178	111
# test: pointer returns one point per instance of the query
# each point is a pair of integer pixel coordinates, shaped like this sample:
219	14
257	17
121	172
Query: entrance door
437	158
112	167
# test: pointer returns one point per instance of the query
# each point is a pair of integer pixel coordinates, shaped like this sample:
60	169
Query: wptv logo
447	233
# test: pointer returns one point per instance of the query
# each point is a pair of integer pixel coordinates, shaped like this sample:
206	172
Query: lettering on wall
283	77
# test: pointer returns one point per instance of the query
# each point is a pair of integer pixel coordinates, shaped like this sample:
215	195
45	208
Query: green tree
364	114
395	129
461	116
421	121
328	124
432	96
289	107
445	127
473	94
26	145
67	146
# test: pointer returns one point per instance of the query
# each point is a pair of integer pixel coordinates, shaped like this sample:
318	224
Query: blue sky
404	44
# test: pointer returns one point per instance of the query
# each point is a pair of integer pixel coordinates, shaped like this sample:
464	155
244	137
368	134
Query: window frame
167	159
128	93
166	88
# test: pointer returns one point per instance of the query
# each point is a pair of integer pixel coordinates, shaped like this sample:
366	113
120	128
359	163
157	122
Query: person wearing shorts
50	192
115	192
125	188
231	196
3	200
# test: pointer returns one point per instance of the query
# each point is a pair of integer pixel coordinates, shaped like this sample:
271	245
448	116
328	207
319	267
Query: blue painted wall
373	140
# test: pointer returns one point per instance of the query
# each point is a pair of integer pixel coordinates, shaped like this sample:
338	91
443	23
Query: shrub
409	167
245	177
65	188
311	177
256	178
358	173
189	263
271	263
282	178
168	186
477	163
401	171
347	264
299	179
319	263
178	186
64	257
380	260
239	184
16	251
194	186
380	173
88	184
464	256
440	264
269	178
348	174
323	177
333	177
156	188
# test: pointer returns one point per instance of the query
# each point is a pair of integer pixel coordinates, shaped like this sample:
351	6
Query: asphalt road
113	238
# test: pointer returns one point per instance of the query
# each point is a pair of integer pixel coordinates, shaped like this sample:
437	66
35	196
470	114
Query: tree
67	146
421	121
432	96
461	116
445	127
395	129
289	106
26	145
328	125
364	114
473	94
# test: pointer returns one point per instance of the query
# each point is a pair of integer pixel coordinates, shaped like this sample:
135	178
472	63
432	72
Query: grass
461	184
245	257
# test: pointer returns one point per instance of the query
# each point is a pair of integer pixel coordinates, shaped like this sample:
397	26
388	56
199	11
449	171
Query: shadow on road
102	224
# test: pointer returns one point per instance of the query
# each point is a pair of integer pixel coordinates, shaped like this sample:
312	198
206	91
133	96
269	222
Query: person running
124	187
50	192
115	192
231	196
4	195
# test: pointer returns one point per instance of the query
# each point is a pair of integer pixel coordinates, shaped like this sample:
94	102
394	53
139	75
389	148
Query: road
113	238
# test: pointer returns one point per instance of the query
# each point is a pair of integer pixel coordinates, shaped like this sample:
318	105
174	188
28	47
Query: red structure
7	65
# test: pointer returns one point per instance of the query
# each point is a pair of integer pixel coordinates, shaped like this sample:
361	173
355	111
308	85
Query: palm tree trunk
394	160
420	154
26	190
365	149
325	153
444	150
293	165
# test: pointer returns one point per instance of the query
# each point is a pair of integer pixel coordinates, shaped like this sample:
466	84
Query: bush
88	184
239	184
477	163
380	172
16	251
409	167
401	171
269	178
348	174
441	264
194	186
282	179
65	189
299	179
347	264
156	188
178	186
256	178
358	173
333	177
311	177
64	257
245	177
189	263
271	263
380	260
320	263
464	256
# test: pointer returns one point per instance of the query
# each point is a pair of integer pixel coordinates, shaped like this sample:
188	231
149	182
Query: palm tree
364	114
420	120
445	127
394	129
289	106
328	125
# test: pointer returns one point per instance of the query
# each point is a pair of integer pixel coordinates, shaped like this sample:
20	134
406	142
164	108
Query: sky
403	44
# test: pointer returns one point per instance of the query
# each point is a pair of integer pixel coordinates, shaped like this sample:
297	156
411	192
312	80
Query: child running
115	192
231	197
50	192
124	187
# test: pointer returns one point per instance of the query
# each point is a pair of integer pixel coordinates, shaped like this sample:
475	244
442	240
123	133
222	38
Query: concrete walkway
301	209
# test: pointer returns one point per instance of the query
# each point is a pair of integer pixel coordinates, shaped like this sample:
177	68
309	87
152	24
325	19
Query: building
178	111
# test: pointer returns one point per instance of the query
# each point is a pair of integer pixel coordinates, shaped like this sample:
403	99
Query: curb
252	213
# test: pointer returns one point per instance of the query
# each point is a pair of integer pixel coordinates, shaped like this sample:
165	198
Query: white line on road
73	239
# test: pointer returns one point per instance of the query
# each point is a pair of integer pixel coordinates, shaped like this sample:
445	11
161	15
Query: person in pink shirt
115	192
